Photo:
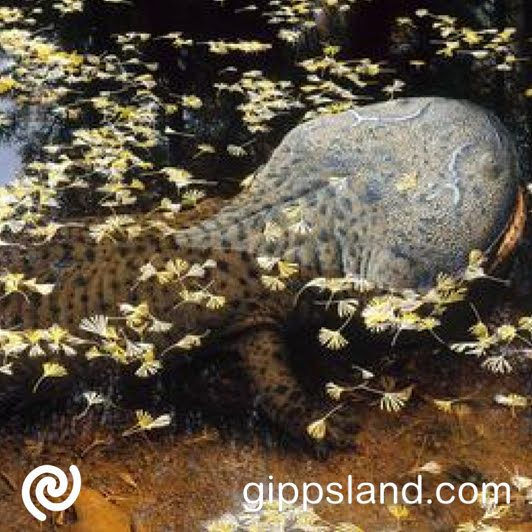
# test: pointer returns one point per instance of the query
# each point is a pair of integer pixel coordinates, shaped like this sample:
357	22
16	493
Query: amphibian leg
265	357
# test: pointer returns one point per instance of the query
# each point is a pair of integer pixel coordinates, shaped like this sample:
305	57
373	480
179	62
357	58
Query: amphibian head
397	192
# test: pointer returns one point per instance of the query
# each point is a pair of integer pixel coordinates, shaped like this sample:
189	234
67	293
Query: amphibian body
393	193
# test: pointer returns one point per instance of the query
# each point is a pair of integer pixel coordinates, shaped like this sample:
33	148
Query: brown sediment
178	481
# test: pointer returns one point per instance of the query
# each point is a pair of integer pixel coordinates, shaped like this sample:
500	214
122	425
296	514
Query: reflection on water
24	130
10	150
10	159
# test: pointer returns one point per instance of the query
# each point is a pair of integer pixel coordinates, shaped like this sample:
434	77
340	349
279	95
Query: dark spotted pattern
345	173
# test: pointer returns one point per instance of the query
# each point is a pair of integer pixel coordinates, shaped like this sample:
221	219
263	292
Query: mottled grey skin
467	173
343	171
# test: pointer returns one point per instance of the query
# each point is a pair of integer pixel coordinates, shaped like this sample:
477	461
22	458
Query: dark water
367	31
191	390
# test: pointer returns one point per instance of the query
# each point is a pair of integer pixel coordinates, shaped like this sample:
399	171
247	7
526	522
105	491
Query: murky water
189	475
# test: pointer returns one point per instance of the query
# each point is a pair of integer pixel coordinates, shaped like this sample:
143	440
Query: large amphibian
393	192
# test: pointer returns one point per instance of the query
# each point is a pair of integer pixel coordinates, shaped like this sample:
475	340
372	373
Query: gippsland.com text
256	494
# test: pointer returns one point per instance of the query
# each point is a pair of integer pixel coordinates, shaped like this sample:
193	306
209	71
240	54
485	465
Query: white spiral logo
53	489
